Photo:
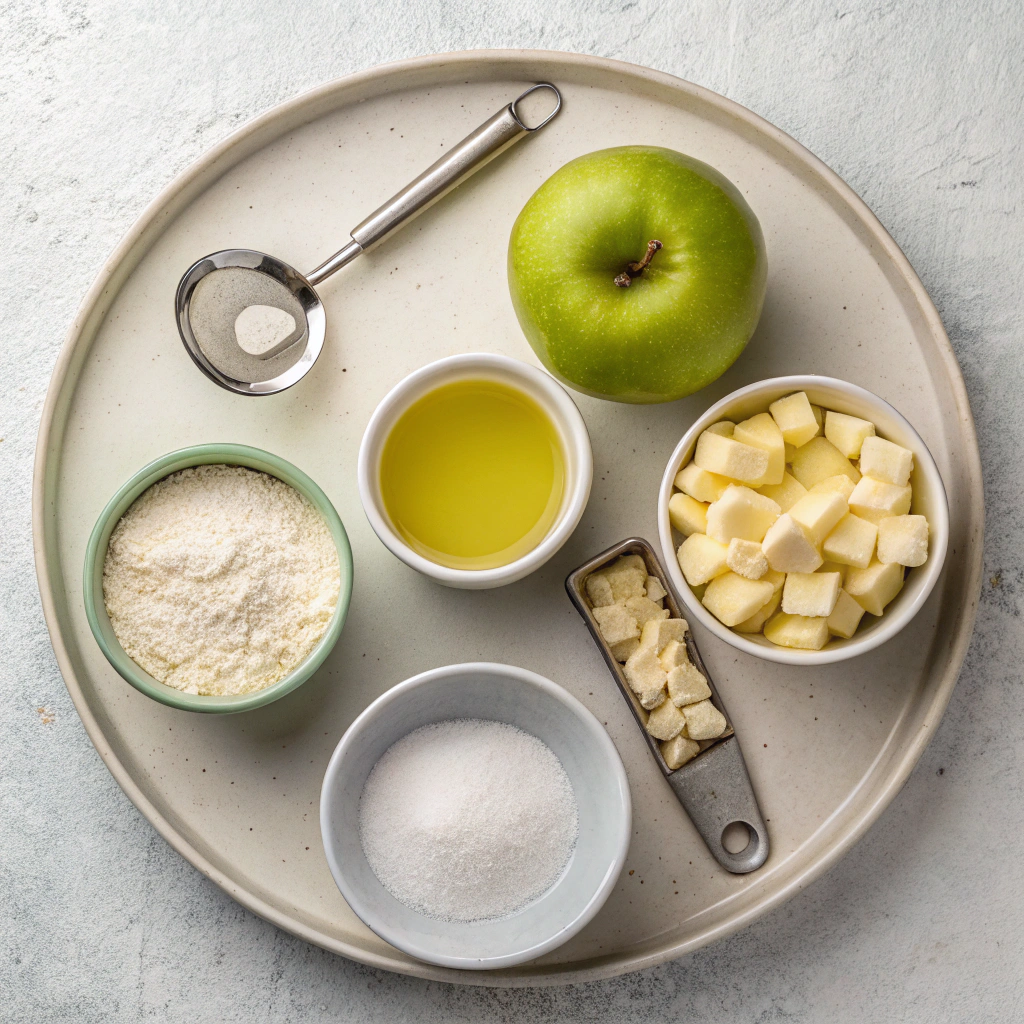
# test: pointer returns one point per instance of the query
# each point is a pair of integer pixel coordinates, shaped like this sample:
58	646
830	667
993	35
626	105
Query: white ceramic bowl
549	395
929	500
497	693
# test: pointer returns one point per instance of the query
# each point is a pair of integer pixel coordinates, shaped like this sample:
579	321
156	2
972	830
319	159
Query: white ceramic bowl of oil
555	403
929	500
539	707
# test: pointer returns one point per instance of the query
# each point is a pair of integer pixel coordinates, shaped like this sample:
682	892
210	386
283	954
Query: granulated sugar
220	580
468	820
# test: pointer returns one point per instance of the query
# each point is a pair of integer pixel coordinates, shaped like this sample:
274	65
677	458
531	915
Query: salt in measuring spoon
238	368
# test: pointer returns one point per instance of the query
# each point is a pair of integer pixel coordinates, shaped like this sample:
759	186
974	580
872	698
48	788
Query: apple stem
624	280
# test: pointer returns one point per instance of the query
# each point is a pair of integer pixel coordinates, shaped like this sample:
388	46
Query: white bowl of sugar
476	816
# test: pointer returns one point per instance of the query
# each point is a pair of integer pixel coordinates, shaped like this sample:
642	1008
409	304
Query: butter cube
701	559
666	721
845	617
763	432
686	685
687	515
731	598
624	648
819	513
616	624
704	721
886	461
800	631
646	677
599	590
795	418
659	633
818	460
643	609
756	621
903	539
740	512
847	433
874	587
841	483
701	485
723	427
852	542
655	591
786	494
673	654
875	500
746	558
811	593
789	548
679	751
726	457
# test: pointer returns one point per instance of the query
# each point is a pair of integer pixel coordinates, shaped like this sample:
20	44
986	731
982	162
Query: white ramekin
543	389
929	500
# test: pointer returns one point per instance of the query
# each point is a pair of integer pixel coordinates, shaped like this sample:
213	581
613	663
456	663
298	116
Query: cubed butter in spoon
264	331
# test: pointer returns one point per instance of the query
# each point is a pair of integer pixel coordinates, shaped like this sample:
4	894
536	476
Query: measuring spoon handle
494	135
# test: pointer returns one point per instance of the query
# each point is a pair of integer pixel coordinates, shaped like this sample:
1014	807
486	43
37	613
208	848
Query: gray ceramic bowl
498	693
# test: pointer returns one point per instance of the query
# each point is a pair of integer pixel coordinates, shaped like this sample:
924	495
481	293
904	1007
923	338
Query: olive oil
472	475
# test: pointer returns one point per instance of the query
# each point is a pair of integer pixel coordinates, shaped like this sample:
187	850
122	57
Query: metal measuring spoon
298	290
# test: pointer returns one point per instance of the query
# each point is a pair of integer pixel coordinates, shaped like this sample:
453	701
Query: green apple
608	310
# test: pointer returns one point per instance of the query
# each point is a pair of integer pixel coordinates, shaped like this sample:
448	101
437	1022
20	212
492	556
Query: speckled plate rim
843	828
96	551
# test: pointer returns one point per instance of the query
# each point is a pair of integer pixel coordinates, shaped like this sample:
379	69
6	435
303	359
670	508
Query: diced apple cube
841	483
731	598
740	512
811	593
763	432
616	624
658	633
819	418
646	677
845	617
789	548
723	427
704	721
687	515
701	485
679	751
833	567
775	578
655	591
643	609
795	418
686	685
624	648
673	654
726	457
886	461
599	590
852	542
875	500
701	559
874	587
800	631
847	433
903	539
746	558
786	494
756	621
666	721
818	460
819	513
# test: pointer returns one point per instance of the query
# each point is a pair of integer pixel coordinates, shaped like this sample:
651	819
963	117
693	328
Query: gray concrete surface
916	104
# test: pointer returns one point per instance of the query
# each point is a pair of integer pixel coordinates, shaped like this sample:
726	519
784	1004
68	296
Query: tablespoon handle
494	135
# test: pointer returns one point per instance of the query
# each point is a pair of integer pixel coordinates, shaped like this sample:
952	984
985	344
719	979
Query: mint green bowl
96	553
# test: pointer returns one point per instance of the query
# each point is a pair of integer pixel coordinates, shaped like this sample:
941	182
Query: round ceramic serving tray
237	795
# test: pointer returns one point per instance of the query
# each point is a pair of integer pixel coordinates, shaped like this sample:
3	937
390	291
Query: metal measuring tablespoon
208	301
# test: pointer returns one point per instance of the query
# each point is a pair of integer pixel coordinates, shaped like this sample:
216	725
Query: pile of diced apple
800	507
628	607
